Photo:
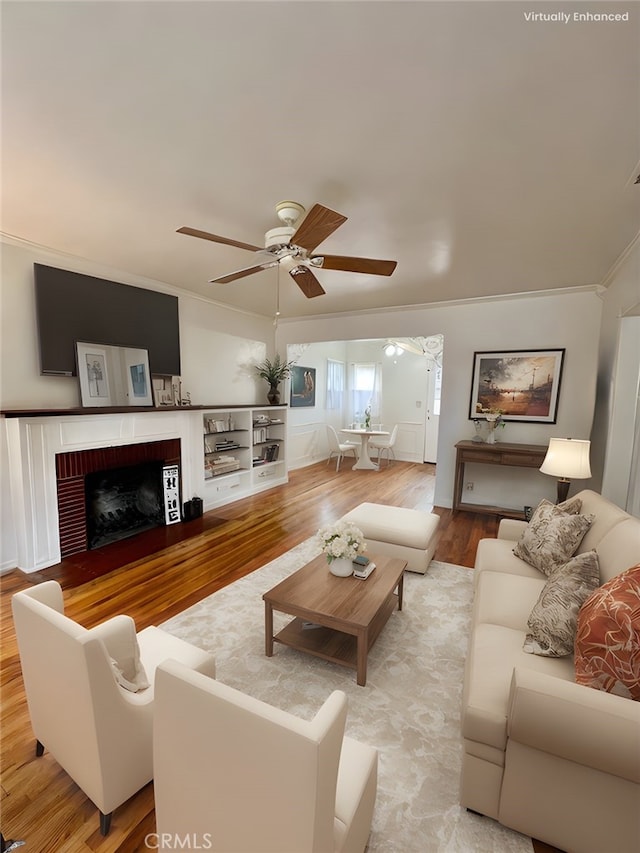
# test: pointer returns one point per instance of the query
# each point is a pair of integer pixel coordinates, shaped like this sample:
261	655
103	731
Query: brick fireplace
72	470
49	455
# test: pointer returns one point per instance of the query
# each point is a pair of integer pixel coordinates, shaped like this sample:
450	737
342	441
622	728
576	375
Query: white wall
307	425
610	453
566	319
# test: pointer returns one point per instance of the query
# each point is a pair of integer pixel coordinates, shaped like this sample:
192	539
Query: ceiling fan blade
204	235
318	224
369	266
232	276
307	282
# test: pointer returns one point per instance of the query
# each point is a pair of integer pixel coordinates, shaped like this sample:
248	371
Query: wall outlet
469	487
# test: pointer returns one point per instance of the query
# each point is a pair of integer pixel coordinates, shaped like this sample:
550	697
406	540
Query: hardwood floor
156	576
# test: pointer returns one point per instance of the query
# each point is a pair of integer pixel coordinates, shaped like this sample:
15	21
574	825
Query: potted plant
274	372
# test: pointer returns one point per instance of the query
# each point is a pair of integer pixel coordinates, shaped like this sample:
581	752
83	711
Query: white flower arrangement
494	417
341	540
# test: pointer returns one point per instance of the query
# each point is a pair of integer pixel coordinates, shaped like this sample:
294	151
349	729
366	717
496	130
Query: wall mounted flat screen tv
73	307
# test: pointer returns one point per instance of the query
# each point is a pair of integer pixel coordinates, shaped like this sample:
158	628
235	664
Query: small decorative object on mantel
274	372
341	542
171	488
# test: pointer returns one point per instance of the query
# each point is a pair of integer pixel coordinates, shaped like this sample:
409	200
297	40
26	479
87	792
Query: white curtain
366	390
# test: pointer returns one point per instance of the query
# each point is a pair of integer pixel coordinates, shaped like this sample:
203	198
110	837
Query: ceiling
485	152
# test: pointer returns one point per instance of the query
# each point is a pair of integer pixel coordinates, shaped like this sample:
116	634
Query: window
366	390
335	384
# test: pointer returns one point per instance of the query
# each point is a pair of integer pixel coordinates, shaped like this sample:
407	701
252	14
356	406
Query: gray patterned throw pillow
551	537
553	621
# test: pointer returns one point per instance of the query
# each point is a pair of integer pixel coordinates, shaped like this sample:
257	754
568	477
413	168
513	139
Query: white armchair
242	775
98	731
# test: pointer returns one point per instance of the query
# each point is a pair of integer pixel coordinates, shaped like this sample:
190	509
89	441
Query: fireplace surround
49	457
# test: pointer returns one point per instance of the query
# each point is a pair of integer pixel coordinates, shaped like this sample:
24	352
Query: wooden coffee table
349	613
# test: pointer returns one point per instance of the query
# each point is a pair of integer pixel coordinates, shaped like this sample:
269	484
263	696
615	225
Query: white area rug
408	710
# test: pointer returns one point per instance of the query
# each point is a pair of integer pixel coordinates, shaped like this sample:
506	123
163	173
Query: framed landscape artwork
303	386
523	385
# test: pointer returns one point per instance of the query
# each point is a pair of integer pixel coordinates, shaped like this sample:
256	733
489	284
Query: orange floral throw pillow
607	647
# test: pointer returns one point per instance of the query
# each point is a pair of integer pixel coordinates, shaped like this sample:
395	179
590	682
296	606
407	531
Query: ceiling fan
293	248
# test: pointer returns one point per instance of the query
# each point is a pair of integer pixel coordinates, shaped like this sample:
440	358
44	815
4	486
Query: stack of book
216	465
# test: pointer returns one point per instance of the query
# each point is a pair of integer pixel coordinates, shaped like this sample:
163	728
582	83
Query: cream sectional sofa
542	754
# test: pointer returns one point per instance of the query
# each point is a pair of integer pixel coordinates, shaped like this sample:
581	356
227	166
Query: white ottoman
395	531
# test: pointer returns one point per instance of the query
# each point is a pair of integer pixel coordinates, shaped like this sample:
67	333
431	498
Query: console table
513	455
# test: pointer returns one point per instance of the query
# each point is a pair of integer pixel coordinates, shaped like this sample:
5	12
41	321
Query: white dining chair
339	448
384	444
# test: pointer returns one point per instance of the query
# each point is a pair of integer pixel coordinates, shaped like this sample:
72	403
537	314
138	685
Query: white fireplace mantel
33	443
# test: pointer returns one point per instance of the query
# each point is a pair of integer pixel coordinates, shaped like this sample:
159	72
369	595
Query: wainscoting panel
103	430
410	442
307	444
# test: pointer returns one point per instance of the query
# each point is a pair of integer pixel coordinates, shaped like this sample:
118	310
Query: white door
432	414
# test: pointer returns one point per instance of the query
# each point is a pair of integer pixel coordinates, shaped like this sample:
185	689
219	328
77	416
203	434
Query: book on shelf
271	452
226	445
260	435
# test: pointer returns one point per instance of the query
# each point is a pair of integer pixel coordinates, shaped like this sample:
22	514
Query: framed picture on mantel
523	385
95	389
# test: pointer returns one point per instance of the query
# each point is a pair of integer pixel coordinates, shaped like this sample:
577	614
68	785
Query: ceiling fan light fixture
289	212
391	349
277	238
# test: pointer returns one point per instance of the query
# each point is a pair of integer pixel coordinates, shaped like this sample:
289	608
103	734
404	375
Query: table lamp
567	459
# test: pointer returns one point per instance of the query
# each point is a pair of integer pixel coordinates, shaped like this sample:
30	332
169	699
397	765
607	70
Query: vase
491	438
274	395
341	567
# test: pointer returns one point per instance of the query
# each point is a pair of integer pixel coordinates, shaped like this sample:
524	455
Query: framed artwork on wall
523	385
303	386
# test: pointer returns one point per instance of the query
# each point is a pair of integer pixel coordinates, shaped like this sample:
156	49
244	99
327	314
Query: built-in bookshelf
244	451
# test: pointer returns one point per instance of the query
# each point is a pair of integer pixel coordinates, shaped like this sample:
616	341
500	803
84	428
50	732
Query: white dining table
364	461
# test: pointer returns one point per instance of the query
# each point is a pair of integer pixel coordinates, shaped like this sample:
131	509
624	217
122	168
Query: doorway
410	374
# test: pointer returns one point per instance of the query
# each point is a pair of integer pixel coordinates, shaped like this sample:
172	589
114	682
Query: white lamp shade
567	458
